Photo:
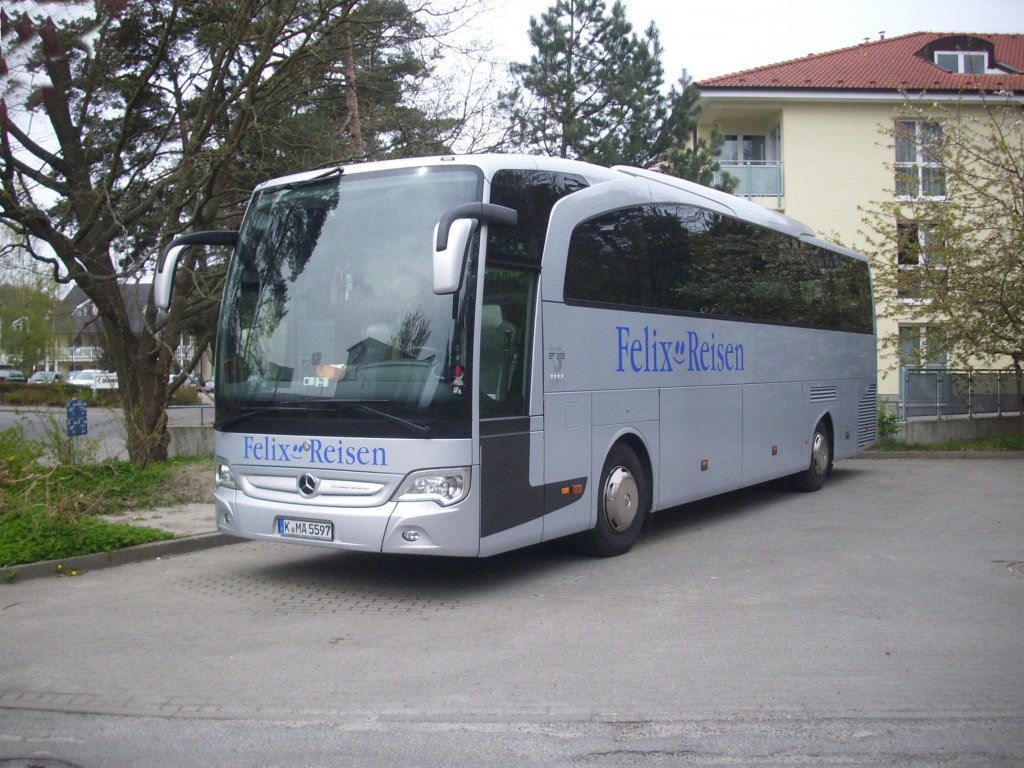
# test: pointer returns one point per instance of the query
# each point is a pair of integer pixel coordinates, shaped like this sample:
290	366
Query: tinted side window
609	260
533	194
685	259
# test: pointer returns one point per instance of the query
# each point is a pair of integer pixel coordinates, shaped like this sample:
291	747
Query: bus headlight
442	486
224	476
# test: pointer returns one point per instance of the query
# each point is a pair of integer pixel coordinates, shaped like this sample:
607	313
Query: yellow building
808	136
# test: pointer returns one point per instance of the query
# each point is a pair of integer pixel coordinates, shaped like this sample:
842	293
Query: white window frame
907	332
921	161
961	61
924	233
926	239
770	148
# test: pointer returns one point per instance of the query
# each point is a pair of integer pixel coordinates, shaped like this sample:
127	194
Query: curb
137	554
876	455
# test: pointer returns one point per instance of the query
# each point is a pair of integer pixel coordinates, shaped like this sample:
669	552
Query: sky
710	37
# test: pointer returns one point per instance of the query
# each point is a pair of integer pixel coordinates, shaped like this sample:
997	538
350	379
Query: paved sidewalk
186	520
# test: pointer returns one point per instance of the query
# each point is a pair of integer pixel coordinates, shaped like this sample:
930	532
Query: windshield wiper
227	421
307	406
361	406
412	426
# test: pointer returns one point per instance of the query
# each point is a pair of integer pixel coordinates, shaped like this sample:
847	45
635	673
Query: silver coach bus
466	355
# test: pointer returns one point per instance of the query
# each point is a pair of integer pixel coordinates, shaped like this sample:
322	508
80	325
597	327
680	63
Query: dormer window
963	55
962	62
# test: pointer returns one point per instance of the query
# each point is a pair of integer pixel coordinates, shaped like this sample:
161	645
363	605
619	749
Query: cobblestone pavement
878	622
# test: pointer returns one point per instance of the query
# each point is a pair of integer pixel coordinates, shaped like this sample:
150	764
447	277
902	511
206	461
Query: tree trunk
355	126
142	364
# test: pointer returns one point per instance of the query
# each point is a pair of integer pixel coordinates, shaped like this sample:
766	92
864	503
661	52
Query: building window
918	244
962	62
914	347
919	254
918	170
744	148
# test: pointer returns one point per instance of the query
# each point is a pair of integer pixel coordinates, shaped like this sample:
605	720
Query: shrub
51	512
888	421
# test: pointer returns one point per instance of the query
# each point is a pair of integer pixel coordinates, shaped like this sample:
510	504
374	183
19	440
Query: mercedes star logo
308	485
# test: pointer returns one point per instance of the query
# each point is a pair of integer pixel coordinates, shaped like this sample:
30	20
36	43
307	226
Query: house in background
79	339
805	136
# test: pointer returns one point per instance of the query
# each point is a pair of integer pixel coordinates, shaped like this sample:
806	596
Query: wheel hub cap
621	499
819	454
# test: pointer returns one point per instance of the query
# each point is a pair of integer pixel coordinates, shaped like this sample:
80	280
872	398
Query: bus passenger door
511	445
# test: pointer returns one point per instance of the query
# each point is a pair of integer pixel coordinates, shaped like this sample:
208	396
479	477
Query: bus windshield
329	314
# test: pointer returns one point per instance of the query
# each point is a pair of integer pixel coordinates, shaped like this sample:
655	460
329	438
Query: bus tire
621	505
812	478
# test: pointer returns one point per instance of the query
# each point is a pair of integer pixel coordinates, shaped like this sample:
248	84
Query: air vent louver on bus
867	418
823	394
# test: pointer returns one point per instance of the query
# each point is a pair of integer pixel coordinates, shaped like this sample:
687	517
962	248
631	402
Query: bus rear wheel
621	505
812	478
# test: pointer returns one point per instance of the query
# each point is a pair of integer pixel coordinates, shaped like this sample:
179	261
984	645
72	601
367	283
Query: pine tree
684	155
592	89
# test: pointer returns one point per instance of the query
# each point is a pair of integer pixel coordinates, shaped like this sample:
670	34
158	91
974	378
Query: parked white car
82	378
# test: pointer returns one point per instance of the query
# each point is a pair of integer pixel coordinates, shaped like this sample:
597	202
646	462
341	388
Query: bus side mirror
452	235
448	261
163	283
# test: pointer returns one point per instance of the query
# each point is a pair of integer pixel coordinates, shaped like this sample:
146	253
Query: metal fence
940	392
190	415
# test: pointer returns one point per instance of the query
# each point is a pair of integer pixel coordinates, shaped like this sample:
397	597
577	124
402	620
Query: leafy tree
28	316
954	259
125	123
592	89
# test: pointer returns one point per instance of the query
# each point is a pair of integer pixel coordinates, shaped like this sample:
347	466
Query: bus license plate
305	529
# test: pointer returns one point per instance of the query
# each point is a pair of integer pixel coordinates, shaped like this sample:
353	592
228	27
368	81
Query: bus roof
743	209
490	164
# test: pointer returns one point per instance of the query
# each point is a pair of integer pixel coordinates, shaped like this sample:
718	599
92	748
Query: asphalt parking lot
878	622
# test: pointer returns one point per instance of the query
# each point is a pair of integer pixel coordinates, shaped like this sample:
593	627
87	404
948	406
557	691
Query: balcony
757	179
77	355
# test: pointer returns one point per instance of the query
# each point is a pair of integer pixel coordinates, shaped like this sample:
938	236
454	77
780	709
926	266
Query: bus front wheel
812	478
621	505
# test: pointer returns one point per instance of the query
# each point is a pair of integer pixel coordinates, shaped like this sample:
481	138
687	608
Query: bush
51	512
186	396
56	395
888	421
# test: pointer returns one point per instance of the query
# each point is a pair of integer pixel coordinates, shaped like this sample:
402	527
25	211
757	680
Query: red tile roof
894	64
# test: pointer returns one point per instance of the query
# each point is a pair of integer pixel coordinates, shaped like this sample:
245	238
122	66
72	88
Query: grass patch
1005	443
52	512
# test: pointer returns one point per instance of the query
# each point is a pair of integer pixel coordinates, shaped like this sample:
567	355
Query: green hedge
58	395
